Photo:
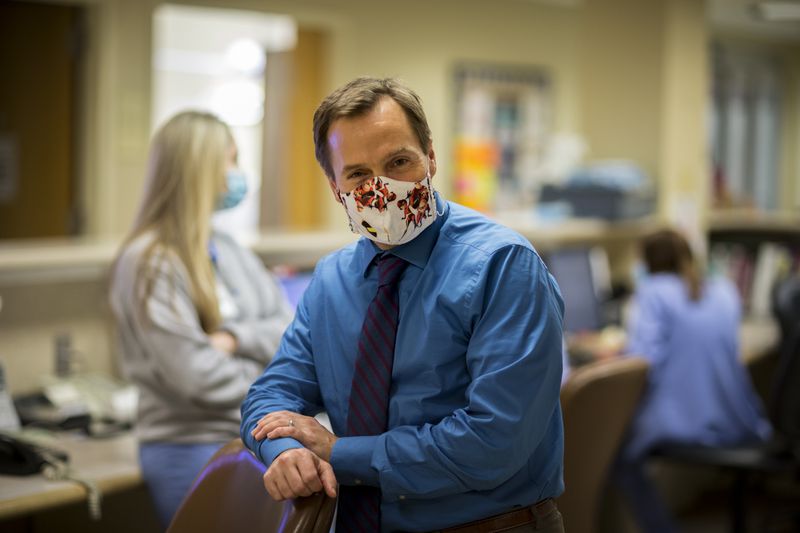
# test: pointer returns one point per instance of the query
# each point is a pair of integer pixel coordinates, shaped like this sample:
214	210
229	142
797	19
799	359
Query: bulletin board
503	120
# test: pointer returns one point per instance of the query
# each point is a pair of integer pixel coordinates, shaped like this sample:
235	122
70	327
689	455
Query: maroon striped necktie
367	414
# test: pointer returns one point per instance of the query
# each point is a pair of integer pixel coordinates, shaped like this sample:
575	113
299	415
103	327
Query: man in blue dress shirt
473	426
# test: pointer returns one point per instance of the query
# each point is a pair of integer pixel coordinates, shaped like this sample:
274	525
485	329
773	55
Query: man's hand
305	429
298	472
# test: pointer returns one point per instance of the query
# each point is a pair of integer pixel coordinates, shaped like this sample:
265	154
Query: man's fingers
297	473
296	482
272	487
259	433
281	478
283	432
327	477
307	469
273	421
262	431
284	487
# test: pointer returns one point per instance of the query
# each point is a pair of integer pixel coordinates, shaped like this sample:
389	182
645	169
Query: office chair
598	402
229	496
781	455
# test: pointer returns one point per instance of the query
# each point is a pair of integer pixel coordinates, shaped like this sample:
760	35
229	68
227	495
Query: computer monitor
581	274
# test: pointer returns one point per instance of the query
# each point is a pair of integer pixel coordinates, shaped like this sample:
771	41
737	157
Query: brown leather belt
506	521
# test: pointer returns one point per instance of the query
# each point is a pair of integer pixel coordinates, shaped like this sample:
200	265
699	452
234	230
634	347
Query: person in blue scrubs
474	429
698	391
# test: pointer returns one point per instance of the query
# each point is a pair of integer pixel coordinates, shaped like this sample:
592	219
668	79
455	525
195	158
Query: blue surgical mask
237	190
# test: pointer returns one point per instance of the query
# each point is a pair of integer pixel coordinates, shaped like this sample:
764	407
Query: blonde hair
185	176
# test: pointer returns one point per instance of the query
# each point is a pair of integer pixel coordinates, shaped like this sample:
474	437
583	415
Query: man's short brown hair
357	98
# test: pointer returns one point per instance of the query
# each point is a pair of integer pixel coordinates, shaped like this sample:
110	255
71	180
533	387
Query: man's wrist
269	450
328	449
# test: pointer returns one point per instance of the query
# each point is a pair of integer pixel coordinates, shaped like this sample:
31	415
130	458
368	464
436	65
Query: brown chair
598	401
229	496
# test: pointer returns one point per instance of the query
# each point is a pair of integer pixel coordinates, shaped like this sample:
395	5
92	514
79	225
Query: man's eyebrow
403	150
348	168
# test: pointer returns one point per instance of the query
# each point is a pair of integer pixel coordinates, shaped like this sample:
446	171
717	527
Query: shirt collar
417	251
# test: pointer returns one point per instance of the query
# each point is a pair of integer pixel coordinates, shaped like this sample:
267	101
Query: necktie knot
390	267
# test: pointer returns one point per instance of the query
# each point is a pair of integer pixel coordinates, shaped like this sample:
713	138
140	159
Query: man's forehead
364	128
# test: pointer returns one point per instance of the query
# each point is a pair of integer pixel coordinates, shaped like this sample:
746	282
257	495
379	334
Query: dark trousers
642	498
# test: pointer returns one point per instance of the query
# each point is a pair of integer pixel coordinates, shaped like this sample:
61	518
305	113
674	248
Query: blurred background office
583	124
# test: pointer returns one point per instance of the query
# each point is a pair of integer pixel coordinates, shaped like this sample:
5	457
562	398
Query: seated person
698	391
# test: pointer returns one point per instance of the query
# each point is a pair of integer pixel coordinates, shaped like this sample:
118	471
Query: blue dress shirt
474	419
698	391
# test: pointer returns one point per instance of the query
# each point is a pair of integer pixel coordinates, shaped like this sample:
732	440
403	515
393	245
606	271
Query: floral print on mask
416	205
374	194
390	211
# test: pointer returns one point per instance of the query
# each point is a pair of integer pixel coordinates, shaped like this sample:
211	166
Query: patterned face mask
390	211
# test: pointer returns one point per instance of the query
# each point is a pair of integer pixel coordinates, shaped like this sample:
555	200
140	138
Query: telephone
21	458
95	404
37	410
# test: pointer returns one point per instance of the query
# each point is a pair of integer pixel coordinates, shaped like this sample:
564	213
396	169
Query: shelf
577	231
753	221
84	259
45	260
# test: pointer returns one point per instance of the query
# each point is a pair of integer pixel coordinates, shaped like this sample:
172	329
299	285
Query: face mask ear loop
344	204
433	193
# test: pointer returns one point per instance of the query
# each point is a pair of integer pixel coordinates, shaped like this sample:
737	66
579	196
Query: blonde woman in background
198	316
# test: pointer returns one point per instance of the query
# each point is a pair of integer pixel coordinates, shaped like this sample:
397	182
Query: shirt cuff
269	450
351	459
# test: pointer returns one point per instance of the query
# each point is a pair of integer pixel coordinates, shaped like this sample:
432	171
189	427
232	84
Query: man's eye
402	161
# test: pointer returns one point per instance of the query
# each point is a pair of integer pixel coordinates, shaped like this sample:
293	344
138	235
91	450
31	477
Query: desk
111	463
758	338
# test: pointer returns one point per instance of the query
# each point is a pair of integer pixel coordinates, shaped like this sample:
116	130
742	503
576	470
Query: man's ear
332	185
432	160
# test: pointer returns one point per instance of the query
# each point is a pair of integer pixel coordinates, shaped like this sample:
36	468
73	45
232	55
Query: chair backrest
785	412
785	400
786	303
598	401
229	496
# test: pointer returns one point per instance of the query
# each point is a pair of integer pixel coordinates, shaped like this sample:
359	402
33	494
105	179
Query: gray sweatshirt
189	392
